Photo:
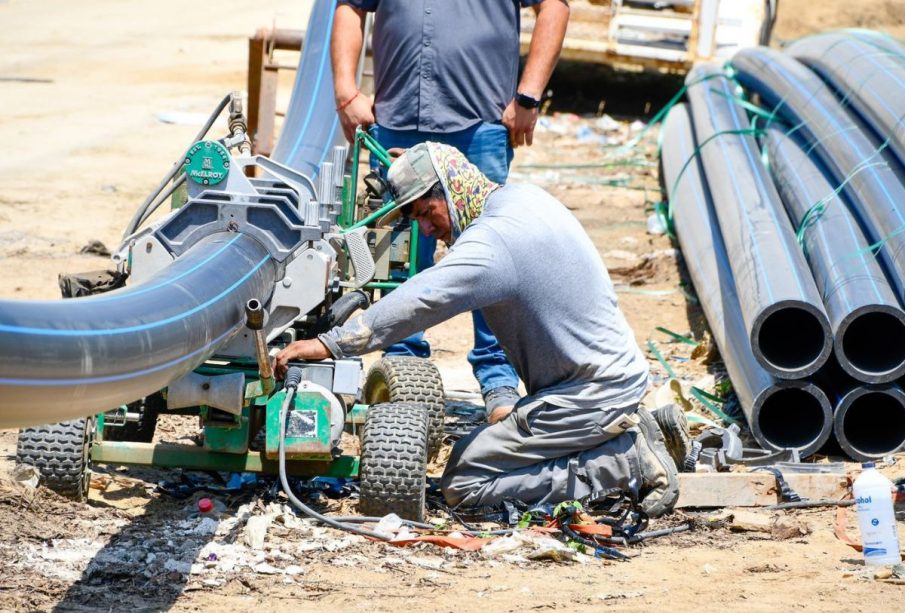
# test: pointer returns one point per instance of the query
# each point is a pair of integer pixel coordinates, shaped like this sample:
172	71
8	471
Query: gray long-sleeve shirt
534	273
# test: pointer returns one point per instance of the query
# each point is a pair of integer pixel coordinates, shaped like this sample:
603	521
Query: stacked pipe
793	231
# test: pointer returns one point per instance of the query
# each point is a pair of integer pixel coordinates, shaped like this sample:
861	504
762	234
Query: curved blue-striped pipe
311	127
70	358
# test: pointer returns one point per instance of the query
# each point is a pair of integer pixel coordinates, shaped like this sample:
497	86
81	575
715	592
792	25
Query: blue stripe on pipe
740	198
754	161
822	110
143	289
140	328
848	223
117	378
317	88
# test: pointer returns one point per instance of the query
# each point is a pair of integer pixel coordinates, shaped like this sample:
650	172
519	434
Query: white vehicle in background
660	35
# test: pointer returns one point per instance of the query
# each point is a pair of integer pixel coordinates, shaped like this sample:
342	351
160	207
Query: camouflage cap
411	175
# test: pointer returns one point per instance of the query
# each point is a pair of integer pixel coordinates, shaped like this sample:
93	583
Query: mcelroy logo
207	163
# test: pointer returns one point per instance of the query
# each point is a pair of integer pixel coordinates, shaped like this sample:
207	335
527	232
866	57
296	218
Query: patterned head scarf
465	186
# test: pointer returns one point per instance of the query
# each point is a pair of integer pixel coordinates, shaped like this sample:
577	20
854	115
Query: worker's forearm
546	43
345	50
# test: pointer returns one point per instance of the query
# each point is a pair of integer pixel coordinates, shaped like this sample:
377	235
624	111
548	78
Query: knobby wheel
409	380
394	460
61	454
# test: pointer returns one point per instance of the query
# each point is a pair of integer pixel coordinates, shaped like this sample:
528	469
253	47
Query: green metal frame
228	444
350	190
167	455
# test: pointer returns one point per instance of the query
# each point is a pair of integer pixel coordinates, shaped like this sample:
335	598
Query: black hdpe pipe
782	414
71	358
875	193
788	329
870	77
868	324
869	421
66	359
311	128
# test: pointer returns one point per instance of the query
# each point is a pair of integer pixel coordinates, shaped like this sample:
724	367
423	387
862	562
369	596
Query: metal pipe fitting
254	321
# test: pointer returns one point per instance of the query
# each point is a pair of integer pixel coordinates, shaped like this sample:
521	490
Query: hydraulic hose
146	207
868	324
342	309
70	358
876	194
870	76
785	319
781	414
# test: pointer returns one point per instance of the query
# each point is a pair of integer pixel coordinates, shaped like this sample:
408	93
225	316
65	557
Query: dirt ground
98	98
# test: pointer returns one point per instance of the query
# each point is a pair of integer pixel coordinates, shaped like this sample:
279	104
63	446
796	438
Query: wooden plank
754	489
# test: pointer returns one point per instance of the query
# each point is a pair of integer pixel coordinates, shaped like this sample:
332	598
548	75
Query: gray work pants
543	453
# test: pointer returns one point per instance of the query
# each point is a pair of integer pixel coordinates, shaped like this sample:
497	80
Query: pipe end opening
793	340
873	424
873	343
794	418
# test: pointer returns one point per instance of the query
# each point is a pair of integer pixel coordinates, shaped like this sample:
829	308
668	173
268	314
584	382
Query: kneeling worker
522	258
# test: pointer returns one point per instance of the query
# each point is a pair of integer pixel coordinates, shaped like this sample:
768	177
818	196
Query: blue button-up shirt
443	65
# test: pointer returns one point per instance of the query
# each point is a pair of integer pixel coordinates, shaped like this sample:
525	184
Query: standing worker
580	430
447	71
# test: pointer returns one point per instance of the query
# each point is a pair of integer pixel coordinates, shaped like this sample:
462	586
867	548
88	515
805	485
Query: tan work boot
660	479
674	426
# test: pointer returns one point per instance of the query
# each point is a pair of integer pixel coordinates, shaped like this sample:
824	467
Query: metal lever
254	320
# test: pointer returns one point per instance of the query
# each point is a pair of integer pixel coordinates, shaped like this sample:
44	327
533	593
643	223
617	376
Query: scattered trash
389	524
26	475
533	546
656	224
256	530
205	505
95	247
619	595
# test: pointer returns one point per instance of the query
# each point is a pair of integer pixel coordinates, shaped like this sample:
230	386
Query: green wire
676	336
700	396
653	349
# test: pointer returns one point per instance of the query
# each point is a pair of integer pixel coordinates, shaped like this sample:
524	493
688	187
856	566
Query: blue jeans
486	145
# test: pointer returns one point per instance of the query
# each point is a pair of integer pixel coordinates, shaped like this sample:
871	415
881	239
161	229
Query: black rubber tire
141	431
61	454
410	380
394	460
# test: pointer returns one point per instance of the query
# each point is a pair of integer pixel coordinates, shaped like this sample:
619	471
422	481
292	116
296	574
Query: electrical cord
293	378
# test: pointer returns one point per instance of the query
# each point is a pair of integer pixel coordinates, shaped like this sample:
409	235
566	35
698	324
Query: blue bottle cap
868	465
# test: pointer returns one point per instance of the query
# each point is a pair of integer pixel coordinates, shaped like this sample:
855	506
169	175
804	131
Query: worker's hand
520	123
310	350
499	414
358	112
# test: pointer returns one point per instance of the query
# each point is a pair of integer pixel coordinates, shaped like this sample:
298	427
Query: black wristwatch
526	102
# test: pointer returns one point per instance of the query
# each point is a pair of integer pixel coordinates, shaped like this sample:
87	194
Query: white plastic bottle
876	516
